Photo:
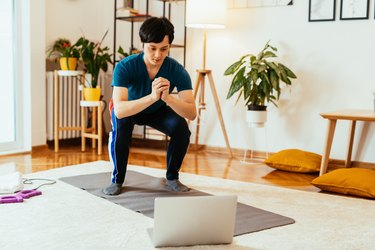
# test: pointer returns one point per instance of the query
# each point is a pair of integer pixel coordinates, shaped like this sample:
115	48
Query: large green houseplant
94	58
258	78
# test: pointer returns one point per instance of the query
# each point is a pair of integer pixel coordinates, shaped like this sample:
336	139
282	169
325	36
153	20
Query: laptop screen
194	220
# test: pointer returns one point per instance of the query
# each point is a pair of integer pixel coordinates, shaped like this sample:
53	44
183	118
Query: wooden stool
57	126
94	132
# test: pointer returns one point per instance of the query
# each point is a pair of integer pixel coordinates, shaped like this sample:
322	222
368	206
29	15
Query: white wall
74	18
37	71
332	60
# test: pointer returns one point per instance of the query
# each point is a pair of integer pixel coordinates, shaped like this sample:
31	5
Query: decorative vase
68	63
91	94
256	116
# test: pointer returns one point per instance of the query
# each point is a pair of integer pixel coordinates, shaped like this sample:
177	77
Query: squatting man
142	84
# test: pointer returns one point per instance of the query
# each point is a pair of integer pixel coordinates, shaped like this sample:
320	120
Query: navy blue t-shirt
131	73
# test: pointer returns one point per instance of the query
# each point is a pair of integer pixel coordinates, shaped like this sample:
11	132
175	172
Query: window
7	95
11	129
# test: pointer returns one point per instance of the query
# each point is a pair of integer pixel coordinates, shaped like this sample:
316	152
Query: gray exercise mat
140	191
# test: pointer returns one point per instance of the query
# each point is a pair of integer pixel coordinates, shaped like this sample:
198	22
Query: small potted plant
124	54
67	53
257	78
94	58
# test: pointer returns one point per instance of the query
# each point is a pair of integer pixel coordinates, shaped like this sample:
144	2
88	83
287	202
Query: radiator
69	109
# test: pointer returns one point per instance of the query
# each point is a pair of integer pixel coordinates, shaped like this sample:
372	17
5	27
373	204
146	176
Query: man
142	85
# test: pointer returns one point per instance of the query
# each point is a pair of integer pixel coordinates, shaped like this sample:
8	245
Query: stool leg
93	123
83	129
350	144
56	111
327	146
100	129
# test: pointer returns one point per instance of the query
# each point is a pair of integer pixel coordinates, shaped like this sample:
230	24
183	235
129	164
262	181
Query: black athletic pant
165	120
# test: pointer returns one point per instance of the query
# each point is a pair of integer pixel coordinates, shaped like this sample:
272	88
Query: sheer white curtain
7	93
12	121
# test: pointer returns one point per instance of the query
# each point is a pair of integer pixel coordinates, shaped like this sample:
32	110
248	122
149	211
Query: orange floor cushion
351	181
295	160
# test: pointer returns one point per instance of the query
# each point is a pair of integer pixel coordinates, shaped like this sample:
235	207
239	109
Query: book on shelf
126	12
142	15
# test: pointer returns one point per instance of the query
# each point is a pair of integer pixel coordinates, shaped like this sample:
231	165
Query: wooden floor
201	162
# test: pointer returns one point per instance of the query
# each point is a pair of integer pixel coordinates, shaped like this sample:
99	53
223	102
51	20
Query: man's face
155	53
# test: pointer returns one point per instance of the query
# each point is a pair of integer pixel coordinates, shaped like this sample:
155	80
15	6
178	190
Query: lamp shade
206	14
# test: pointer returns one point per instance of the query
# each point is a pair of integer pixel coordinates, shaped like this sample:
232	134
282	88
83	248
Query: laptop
194	220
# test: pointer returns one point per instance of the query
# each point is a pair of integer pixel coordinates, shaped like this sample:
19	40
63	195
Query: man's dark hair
154	29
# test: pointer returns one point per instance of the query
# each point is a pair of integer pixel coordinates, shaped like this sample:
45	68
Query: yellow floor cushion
352	181
295	160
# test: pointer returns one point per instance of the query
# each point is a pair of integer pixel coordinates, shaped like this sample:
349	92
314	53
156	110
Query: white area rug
65	217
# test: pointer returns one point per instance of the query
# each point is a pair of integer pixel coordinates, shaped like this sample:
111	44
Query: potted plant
258	78
67	53
124	54
94	58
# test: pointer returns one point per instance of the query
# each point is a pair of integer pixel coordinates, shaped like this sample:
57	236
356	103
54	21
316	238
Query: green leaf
289	73
272	97
253	98
252	58
254	76
122	52
255	66
268	54
247	87
105	67
260	55
237	82
248	55
273	102
233	68
274	67
267	44
274	79
284	76
273	48
262	68
265	78
239	96
262	87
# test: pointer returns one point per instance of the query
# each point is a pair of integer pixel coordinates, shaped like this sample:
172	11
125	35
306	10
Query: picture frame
322	10
268	3
243	4
354	9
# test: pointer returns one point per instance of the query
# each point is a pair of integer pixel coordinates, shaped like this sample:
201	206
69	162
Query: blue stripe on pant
164	120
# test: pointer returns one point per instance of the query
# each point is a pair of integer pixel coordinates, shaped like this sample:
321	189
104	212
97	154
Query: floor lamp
206	14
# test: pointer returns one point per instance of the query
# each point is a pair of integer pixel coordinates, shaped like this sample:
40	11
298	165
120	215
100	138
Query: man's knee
181	129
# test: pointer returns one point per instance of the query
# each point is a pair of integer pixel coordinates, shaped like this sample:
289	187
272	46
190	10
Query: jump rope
26	193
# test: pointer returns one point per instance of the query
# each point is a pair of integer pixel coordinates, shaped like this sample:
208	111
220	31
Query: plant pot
91	94
256	116
68	63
